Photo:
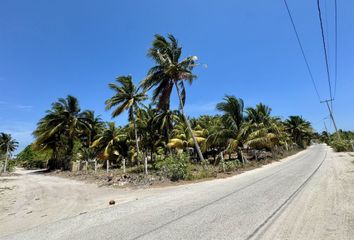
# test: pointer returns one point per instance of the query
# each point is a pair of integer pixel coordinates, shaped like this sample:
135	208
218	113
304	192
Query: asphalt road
307	196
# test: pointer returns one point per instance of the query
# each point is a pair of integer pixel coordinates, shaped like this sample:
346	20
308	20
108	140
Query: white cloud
17	107
24	107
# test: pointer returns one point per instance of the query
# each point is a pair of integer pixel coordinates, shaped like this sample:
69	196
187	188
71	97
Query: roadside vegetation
158	140
344	144
7	146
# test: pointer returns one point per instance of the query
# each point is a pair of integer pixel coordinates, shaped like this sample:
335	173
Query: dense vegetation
156	133
157	137
31	158
344	144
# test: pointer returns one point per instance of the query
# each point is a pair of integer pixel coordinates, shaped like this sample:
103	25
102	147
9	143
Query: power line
324	49
302	50
326	27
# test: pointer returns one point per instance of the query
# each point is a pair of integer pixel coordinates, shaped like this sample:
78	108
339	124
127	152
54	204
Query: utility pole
325	125
331	115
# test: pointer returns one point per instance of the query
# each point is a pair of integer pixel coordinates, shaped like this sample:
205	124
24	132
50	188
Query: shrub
204	170
175	166
30	158
341	145
230	166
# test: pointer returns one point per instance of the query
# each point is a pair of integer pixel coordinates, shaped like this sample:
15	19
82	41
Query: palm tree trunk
136	137
123	165
69	154
6	157
145	165
200	155
167	134
95	165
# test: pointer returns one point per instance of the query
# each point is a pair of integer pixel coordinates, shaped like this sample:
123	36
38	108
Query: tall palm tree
59	128
150	132
127	97
110	143
7	146
170	72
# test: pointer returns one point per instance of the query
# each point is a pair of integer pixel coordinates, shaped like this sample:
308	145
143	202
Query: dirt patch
115	178
8	174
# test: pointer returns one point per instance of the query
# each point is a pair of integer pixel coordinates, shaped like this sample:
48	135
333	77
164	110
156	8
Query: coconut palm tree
96	126
170	72
60	128
127	97
182	138
218	134
165	119
110	143
232	109
7	146
233	119
259	114
299	129
150	132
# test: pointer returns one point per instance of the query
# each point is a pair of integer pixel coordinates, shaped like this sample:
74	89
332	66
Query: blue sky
49	49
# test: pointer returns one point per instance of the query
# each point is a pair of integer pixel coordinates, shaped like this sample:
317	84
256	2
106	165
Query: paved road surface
307	196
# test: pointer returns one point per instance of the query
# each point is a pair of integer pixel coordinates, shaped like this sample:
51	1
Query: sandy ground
32	198
322	210
306	196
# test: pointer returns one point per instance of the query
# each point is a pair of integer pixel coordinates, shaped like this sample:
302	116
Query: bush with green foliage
30	158
204	170
229	166
341	145
174	166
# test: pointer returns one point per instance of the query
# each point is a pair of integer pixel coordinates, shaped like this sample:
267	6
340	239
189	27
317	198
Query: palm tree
96	126
165	118
218	133
232	109
126	97
170	72
259	114
110	143
150	131
60	128
299	129
182	138
233	120
7	146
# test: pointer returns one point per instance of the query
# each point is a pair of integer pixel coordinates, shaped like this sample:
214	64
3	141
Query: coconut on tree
168	73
